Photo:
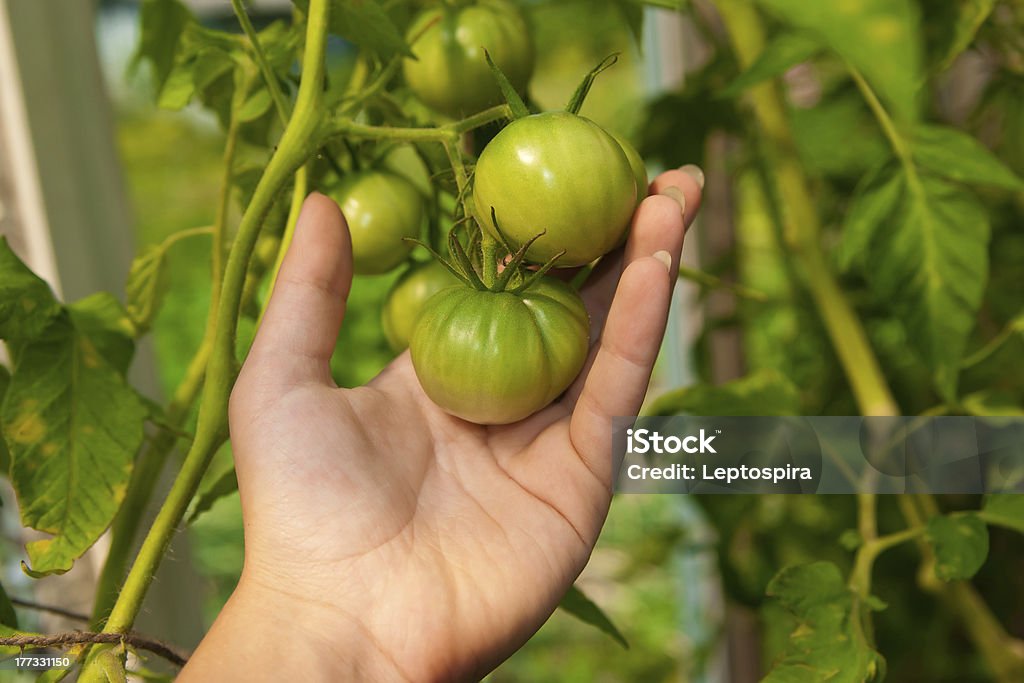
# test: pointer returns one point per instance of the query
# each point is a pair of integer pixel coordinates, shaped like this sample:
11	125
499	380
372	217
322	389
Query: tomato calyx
578	97
467	262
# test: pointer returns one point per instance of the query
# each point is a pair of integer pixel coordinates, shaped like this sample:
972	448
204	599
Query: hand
387	540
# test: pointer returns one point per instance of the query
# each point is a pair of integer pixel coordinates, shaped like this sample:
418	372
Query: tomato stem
298	141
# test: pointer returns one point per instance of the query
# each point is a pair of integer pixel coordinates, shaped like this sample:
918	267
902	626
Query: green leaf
876	200
960	543
956	155
785	51
147	280
508	91
1001	117
827	643
583	608
161	25
255	106
202	69
101	318
219	481
54	675
633	12
1005	510
193	74
992	403
146	286
7	615
5	455
926	241
877	37
27	305
365	24
762	393
951	27
814	131
73	426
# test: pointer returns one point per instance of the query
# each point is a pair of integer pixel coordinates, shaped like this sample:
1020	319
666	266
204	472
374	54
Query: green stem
899	144
140	489
495	113
708	281
151	462
801	223
346	127
355	101
349	128
297	143
219	249
299	191
273	86
1003	653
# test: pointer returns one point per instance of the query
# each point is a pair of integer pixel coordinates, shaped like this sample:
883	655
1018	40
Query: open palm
440	545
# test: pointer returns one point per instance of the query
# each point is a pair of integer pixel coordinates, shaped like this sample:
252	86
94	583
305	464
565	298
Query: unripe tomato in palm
450	73
405	300
497	358
381	208
561	174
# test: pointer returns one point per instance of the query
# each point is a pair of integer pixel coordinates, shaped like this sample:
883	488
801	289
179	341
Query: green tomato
381	208
561	174
636	163
450	73
497	358
403	160
405	300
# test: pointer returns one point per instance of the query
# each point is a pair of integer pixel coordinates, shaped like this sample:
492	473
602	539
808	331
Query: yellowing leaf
73	426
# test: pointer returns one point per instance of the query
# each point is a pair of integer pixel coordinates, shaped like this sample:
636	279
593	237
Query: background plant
872	266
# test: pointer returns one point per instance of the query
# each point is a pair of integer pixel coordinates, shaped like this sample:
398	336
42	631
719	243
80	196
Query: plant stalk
801	224
151	462
297	143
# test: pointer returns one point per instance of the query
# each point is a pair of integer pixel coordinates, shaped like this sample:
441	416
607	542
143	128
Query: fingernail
665	258
676	194
694	172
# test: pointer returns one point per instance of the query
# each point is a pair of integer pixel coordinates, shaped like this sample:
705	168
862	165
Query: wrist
264	633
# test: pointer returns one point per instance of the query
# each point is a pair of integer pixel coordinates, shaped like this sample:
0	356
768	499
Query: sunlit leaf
27	305
5	455
365	24
72	425
161	25
922	245
1005	510
878	37
101	318
956	155
782	53
951	27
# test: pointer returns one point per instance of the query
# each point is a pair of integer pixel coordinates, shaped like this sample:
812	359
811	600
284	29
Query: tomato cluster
491	343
